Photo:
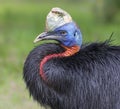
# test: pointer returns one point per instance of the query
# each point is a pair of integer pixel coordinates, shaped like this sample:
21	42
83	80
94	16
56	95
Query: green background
22	20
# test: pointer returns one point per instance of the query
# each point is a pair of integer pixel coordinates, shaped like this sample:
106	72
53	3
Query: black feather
90	79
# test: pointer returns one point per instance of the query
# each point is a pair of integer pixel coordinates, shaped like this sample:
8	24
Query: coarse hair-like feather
90	79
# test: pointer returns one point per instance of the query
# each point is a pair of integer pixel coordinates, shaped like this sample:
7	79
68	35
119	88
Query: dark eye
75	33
63	33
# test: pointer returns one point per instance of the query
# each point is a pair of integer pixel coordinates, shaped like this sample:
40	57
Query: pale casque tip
56	18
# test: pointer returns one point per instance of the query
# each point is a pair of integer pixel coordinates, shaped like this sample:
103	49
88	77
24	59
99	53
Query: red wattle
69	51
45	59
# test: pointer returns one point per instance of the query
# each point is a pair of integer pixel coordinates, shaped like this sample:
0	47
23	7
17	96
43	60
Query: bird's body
70	76
88	80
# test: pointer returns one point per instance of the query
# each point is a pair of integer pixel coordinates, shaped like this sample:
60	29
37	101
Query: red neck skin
69	51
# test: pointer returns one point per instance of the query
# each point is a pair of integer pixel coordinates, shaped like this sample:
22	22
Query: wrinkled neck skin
69	51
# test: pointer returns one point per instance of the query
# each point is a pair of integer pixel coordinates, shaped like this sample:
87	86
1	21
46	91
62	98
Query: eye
75	33
63	33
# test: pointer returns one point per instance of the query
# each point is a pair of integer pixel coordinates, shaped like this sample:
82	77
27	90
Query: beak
45	36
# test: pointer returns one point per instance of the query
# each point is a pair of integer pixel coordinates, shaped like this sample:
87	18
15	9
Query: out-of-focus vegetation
107	10
22	20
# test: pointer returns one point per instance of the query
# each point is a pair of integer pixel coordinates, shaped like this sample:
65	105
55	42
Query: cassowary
69	75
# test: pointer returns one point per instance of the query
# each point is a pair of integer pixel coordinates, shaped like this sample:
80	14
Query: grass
20	22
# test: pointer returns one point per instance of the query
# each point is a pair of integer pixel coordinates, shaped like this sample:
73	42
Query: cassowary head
60	27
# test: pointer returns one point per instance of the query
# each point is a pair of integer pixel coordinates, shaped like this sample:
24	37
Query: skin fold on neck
69	51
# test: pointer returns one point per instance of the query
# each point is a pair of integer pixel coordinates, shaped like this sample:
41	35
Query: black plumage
90	79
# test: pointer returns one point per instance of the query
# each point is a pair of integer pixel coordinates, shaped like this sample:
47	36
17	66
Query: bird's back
90	79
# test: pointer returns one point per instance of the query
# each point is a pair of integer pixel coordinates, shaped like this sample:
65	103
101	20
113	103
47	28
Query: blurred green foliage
107	10
22	20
